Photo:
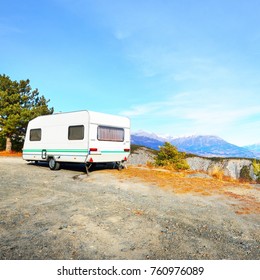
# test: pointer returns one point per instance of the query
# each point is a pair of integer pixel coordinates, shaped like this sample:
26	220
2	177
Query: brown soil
133	214
10	154
181	183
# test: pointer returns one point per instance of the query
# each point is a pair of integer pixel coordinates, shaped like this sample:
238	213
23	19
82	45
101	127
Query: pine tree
170	157
18	105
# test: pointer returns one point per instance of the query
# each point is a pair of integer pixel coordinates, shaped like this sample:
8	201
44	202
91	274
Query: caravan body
80	137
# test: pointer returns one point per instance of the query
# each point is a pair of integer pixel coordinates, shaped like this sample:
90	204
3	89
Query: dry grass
10	154
247	204
217	172
180	183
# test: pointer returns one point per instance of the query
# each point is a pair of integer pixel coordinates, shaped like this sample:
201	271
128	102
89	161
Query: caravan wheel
53	164
119	165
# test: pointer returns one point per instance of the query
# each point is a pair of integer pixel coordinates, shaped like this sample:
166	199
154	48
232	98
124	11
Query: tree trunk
8	147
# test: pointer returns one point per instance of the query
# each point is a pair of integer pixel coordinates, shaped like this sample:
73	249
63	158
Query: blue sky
176	67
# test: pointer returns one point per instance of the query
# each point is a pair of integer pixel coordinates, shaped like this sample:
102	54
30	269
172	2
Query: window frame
82	132
121	139
35	138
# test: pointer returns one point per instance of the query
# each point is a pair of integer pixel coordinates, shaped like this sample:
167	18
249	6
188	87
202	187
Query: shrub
245	174
256	167
217	172
170	157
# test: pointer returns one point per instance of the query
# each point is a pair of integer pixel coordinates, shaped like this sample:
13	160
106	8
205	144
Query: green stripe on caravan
54	151
67	151
77	137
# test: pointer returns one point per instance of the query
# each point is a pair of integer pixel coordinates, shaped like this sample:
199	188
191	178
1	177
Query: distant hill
210	146
202	145
254	148
146	141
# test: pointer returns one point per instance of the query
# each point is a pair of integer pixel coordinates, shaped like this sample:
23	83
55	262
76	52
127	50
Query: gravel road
66	215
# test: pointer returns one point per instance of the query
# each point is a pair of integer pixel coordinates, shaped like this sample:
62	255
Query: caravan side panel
109	138
62	136
82	137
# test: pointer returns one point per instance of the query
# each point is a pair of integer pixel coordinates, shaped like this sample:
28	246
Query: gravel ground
66	215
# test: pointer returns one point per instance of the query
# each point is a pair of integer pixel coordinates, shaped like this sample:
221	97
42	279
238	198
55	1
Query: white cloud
210	70
143	109
199	112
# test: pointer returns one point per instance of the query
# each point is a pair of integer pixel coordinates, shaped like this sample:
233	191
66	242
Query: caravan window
35	134
106	133
76	132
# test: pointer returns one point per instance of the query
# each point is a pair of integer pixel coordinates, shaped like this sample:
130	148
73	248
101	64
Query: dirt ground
64	214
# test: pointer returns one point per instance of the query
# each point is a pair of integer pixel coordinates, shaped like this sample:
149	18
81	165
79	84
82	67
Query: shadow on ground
80	167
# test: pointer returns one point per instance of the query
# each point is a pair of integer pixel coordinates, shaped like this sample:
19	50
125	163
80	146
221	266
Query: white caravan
81	137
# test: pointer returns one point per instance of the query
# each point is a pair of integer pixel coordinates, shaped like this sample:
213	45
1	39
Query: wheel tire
53	164
120	166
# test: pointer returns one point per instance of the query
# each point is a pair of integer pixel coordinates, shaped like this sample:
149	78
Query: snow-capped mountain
146	141
142	133
203	145
161	138
210	146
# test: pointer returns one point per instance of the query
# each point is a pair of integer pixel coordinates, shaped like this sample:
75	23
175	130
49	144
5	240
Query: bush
256	167
217	172
170	157
245	174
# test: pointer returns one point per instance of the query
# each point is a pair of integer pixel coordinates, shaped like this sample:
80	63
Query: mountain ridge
201	145
255	148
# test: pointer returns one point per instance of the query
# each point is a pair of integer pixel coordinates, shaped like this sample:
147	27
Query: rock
230	167
197	163
141	156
